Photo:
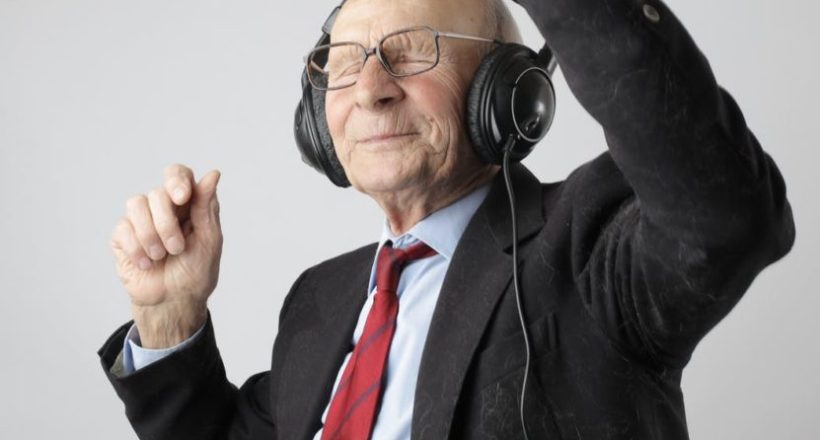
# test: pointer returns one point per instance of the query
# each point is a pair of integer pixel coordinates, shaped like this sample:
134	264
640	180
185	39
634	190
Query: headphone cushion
486	80
328	151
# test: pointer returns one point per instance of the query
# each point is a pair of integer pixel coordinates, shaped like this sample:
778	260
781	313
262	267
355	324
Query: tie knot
391	262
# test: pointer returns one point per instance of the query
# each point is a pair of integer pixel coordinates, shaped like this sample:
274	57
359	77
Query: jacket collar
440	230
479	272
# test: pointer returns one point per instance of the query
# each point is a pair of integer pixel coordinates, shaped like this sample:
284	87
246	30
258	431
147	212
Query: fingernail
144	263
179	194
175	245
156	252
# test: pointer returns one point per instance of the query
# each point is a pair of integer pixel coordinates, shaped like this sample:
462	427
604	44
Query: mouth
387	137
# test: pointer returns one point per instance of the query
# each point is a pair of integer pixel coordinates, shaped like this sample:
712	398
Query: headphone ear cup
333	167
313	137
477	102
492	102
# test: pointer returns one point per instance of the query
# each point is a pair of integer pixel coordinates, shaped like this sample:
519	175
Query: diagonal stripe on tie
356	404
353	408
381	331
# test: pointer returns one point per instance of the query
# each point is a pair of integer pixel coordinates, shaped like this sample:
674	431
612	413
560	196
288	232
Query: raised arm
709	208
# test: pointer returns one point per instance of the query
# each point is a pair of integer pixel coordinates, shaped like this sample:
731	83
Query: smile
385	137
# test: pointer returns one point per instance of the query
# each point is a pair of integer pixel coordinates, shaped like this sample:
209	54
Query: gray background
98	96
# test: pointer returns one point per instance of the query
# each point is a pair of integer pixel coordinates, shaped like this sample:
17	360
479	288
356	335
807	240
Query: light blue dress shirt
418	292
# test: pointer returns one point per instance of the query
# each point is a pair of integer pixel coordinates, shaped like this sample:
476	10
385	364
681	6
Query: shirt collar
440	230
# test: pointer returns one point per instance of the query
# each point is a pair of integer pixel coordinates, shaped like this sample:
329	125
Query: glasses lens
410	52
335	66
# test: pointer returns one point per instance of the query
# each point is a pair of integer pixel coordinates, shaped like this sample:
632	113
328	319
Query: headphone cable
511	195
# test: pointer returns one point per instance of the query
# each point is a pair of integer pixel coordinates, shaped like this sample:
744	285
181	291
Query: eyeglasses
403	53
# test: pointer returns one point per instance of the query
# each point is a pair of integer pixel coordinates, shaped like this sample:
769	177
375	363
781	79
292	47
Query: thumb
205	206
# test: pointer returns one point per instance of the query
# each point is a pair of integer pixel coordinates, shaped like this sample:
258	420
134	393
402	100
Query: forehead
366	21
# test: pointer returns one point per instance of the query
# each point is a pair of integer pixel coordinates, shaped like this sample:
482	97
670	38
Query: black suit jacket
624	267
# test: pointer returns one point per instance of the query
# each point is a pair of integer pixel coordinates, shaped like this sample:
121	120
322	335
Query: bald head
501	21
492	15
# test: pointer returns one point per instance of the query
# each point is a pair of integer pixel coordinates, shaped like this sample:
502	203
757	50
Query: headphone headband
331	19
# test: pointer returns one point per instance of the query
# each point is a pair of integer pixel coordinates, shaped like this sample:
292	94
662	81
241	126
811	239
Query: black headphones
511	102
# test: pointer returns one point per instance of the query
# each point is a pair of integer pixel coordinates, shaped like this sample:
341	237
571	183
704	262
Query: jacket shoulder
335	271
346	261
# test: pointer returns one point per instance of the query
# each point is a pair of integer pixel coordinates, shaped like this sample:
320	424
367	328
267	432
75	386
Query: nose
376	89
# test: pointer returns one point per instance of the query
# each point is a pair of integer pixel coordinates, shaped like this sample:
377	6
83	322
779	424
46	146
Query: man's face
407	134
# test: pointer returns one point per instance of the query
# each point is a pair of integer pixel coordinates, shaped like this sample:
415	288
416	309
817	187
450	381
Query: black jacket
625	266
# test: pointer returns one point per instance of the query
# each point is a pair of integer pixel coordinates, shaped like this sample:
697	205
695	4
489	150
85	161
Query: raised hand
167	249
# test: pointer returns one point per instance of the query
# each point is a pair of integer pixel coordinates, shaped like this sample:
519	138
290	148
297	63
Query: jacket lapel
319	347
478	275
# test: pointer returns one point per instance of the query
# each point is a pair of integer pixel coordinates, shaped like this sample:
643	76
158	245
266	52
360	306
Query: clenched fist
167	249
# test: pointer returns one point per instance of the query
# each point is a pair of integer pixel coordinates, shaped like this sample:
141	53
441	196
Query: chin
380	183
383	178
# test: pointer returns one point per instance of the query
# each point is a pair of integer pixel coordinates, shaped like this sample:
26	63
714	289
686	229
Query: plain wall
98	96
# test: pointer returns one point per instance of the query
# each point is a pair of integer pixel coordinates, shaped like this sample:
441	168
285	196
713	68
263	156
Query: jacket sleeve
707	209
186	395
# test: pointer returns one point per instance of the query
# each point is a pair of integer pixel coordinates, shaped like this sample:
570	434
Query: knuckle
121	225
146	236
157	194
176	169
144	232
120	229
135	202
172	182
166	228
172	168
131	248
134	252
163	217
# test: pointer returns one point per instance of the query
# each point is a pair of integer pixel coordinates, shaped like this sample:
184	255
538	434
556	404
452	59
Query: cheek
441	102
336	113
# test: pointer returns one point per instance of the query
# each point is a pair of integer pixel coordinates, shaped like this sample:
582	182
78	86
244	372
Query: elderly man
623	267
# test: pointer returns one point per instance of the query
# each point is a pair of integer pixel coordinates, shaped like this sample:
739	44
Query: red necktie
353	410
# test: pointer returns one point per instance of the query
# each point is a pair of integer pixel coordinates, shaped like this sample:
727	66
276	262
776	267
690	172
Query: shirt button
651	13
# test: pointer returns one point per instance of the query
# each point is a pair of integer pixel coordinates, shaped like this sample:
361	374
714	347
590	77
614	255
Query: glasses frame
366	52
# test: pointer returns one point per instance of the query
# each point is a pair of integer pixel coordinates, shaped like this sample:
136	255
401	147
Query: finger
139	214
179	181
165	221
124	239
205	205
